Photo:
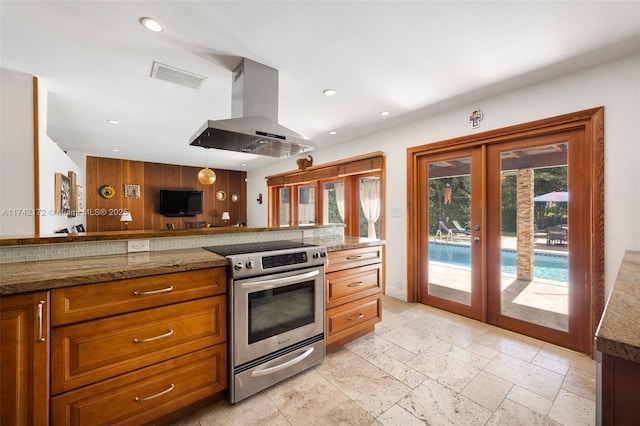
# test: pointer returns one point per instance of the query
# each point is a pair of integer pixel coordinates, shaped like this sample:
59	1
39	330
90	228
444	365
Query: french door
506	232
452	190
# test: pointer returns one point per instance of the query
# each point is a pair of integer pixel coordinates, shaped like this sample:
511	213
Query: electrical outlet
137	245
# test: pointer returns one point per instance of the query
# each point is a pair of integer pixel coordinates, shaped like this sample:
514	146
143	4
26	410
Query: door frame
591	122
475	309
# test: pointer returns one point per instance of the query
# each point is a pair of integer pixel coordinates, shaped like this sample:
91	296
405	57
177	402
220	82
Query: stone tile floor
426	366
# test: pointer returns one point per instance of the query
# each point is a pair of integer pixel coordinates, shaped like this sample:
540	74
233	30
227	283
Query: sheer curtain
339	188
370	201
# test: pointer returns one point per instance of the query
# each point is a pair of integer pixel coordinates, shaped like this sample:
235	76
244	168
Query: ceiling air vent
178	76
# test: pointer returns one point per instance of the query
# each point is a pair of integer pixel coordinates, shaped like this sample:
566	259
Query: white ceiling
408	58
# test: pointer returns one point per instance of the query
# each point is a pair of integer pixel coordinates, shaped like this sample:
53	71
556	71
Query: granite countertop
340	242
23	277
619	330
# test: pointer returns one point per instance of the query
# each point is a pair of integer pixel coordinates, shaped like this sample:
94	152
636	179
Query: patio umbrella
553	196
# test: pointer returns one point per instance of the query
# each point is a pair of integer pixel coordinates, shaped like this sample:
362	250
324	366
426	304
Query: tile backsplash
26	253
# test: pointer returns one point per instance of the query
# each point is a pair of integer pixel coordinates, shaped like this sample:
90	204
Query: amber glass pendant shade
206	176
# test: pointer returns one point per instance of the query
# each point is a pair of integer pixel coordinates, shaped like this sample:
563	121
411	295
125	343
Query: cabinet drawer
146	394
87	302
352	317
343	259
352	284
87	352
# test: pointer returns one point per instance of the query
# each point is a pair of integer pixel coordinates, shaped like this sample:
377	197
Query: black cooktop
231	249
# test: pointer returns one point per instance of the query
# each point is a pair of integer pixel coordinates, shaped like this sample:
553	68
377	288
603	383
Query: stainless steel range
276	312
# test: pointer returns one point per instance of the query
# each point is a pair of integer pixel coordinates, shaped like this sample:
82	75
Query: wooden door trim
591	121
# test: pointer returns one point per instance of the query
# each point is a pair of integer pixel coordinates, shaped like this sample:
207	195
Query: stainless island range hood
254	127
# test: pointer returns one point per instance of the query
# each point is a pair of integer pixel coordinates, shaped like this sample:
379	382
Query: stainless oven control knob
316	255
251	264
323	254
238	266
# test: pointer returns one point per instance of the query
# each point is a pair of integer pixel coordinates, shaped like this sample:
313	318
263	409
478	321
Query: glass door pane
453	221
449	234
534	249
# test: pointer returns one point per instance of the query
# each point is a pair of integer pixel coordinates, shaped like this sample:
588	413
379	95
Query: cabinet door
24	359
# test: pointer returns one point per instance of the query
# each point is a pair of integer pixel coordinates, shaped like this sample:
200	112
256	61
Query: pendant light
207	176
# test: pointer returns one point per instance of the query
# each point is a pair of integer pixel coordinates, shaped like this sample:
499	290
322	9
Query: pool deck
543	302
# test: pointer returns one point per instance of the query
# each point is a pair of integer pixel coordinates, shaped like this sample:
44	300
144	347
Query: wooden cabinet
133	351
24	359
620	385
353	294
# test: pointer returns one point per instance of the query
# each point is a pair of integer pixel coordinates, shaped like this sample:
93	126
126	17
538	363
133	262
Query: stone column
525	228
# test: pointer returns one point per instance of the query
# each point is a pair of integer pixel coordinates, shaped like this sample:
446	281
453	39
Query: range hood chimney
254	127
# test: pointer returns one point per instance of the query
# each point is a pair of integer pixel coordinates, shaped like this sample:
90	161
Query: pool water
545	266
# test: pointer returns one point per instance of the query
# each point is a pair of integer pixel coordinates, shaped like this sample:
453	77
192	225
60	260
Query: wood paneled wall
103	214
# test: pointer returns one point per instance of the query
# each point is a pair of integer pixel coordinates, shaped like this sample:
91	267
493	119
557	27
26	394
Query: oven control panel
250	264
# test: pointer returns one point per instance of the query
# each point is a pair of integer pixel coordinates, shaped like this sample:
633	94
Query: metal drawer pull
150	292
356	318
151	339
40	319
136	399
354	257
358	284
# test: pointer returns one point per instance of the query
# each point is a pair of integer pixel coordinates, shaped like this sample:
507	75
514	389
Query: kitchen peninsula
70	297
618	341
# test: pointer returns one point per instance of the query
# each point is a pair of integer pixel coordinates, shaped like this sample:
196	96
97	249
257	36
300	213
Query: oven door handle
278	282
283	366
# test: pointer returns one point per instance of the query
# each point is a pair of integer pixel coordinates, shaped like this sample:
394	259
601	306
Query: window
333	206
284	206
349	192
370	206
306	205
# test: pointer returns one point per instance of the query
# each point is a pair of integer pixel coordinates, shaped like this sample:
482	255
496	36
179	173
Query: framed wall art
80	199
62	194
73	195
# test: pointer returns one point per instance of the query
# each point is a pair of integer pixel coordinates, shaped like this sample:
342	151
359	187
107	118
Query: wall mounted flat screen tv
181	202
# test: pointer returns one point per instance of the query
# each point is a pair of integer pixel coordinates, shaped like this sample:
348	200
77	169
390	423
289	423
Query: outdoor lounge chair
444	232
556	235
459	228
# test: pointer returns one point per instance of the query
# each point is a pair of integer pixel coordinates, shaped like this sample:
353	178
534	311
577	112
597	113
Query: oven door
272	312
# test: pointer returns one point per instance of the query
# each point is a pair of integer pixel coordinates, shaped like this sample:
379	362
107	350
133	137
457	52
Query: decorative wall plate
235	197
131	191
106	191
221	195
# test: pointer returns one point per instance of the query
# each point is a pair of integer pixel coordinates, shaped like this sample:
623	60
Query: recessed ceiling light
329	92
333	132
384	113
151	24
115	150
113	121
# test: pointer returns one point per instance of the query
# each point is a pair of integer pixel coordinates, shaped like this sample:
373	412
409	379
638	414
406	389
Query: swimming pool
548	267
